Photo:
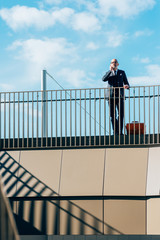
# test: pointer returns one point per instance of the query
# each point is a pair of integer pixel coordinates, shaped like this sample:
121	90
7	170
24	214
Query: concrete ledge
83	237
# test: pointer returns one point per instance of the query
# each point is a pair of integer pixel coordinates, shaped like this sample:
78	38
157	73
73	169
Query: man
117	81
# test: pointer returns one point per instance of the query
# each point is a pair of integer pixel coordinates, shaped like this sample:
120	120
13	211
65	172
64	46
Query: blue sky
74	40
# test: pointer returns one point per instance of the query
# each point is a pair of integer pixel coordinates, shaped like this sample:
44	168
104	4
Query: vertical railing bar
99	116
0	117
94	117
144	141
109	103
9	130
139	114
119	99
158	117
129	131
18	121
149	116
23	123
114	115
4	144
90	117
153	114
134	116
65	119
124	114
32	119
61	118
27	119
70	117
42	113
37	122
46	118
75	143
51	119
104	118
14	120
56	142
80	116
85	142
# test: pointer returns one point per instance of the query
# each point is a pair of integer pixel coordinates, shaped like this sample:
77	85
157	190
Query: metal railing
8	230
78	118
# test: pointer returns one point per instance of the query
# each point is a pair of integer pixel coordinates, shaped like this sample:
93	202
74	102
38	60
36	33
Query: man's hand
113	67
126	86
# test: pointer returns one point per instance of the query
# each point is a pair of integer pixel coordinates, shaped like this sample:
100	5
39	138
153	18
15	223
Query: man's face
114	63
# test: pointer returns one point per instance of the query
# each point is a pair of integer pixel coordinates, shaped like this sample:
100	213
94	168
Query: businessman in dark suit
117	82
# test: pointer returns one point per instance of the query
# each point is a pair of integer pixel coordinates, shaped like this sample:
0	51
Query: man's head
114	64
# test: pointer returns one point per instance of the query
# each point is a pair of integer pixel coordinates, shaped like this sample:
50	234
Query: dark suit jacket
115	81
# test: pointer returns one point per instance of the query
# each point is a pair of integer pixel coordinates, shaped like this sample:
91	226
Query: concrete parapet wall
86	172
84	191
80	217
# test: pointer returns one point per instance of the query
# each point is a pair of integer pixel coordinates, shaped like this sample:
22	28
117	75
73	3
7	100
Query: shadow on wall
39	215
18	181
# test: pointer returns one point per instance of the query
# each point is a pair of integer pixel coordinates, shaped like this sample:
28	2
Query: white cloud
145	60
20	17
143	33
63	15
74	77
77	78
86	22
115	39
54	1
125	8
141	60
33	55
92	46
45	52
151	77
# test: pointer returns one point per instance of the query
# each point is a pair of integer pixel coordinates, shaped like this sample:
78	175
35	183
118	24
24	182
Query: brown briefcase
135	128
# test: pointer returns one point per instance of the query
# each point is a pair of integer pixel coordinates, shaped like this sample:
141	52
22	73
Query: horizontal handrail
77	89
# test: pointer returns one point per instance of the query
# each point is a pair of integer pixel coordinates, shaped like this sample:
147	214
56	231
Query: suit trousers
116	106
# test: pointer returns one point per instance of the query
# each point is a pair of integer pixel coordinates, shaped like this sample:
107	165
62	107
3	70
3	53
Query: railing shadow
8	229
36	214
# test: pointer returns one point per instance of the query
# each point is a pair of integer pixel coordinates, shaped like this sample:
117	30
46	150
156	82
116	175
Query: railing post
43	89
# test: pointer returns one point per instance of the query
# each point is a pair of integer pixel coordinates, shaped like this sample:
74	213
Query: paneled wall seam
104	172
103	190
147	173
60	174
146	230
146	217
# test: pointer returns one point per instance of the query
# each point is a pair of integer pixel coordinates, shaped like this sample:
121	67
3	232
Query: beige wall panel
9	161
81	217
153	178
125	171
44	165
124	217
82	172
14	154
153	216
